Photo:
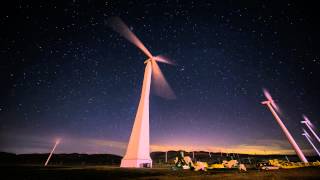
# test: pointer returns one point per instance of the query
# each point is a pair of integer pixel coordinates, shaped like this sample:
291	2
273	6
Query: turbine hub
265	102
146	61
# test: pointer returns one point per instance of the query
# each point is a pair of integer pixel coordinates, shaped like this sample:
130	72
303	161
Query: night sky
64	73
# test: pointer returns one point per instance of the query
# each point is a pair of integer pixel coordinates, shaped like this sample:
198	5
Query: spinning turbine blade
310	127
163	59
119	26
269	97
162	88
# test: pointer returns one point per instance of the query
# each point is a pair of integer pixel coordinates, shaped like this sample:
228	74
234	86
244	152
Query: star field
65	73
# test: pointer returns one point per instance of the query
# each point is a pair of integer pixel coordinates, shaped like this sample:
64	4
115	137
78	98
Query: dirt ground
108	172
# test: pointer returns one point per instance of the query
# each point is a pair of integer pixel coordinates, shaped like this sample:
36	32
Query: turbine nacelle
305	133
146	61
159	58
270	100
265	102
306	121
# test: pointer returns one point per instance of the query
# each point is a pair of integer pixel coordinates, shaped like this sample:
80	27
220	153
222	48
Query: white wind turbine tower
166	157
54	147
273	108
310	127
138	149
308	137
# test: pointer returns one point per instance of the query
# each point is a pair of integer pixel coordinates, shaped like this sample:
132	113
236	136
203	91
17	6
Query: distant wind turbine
54	147
166	158
273	108
308	137
310	127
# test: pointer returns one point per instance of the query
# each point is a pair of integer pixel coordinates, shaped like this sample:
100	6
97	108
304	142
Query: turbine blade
163	59
275	106
308	121
269	98
306	133
267	95
161	86
119	26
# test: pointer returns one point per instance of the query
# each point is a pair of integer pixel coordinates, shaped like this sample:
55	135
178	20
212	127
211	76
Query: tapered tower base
138	150
136	163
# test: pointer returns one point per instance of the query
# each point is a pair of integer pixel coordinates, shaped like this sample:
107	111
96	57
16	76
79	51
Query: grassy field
109	172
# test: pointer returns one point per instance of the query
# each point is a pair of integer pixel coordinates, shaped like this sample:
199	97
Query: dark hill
60	159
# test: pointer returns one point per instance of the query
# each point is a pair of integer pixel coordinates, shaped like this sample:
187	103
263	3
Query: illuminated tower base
138	150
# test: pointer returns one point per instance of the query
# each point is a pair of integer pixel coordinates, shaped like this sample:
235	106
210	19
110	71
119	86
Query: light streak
54	147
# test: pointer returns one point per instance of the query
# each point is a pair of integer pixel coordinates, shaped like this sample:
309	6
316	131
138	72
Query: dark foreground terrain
110	172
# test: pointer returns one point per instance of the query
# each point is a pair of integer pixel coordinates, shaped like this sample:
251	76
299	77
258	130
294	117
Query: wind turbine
166	157
273	108
138	149
310	126
308	137
54	147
